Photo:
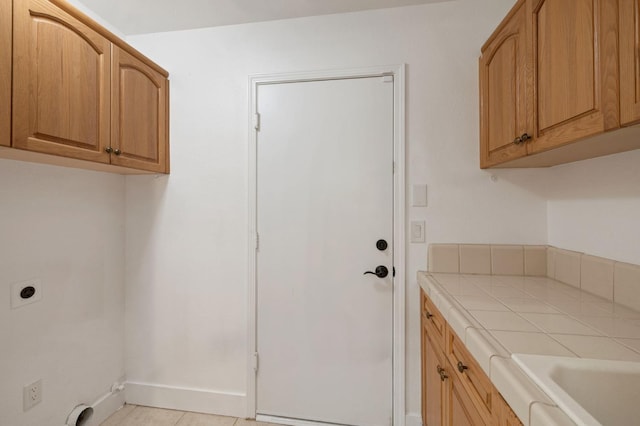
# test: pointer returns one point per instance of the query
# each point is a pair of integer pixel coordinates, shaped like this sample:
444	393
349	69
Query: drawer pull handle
427	315
442	373
462	367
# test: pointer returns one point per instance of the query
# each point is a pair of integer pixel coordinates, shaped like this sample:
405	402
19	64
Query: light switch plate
419	195
417	231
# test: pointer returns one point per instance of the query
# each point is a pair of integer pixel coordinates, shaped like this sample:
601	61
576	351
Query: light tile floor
137	415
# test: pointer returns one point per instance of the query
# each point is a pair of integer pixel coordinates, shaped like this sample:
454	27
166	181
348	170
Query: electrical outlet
32	395
25	292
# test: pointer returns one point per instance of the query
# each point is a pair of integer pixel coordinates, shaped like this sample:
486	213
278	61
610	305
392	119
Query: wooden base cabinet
5	72
461	411
455	391
81	93
434	382
555	78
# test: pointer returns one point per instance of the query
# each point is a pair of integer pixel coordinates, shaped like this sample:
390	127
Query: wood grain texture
504	92
629	62
576	60
478	386
434	389
566	57
139	114
73	11
5	71
461	410
61	84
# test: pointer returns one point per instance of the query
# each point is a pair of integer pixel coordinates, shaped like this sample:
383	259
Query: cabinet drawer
433	320
474	380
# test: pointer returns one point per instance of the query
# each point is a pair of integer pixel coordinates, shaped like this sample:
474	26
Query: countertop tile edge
516	388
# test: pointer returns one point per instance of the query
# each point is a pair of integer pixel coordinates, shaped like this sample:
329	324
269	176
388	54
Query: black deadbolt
27	292
381	245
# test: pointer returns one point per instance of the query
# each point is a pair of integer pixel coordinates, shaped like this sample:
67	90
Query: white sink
590	391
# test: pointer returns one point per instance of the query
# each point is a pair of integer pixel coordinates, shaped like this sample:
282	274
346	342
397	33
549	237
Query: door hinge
257	241
256	121
387	78
393	166
255	362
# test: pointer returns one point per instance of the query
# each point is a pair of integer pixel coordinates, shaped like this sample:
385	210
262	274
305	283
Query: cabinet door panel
61	84
5	72
461	410
566	61
575	46
629	61
139	116
432	386
505	92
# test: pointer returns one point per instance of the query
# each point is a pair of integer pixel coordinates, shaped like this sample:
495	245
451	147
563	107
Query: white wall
594	207
65	227
187	233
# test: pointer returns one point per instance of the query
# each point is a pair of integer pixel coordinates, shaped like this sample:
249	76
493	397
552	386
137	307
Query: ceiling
149	16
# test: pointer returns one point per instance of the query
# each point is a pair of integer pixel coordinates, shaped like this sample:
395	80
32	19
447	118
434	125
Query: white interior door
324	198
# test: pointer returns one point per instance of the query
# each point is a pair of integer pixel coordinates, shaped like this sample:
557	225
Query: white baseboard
105	407
413	419
185	399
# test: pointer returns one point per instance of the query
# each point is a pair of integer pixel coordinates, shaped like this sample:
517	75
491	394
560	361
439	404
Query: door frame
399	230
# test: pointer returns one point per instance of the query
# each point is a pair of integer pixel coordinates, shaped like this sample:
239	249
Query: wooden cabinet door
139	114
629	61
5	72
61	83
433	387
576	62
461	411
505	90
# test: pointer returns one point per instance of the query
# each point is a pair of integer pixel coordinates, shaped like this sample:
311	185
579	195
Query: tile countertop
499	315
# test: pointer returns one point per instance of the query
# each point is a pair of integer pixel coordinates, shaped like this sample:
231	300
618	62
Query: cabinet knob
525	137
117	151
427	314
442	373
461	367
108	150
517	140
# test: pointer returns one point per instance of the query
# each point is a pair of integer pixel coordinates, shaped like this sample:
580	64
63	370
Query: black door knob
381	245
381	272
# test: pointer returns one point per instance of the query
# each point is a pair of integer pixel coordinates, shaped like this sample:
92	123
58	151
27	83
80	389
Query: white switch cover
419	195
32	293
417	231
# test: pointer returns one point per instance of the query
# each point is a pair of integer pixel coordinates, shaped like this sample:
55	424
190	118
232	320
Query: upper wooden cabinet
505	90
629	61
61	84
569	80
139	114
5	72
81	93
576	59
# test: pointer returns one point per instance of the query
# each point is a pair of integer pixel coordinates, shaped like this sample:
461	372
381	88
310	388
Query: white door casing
328	364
